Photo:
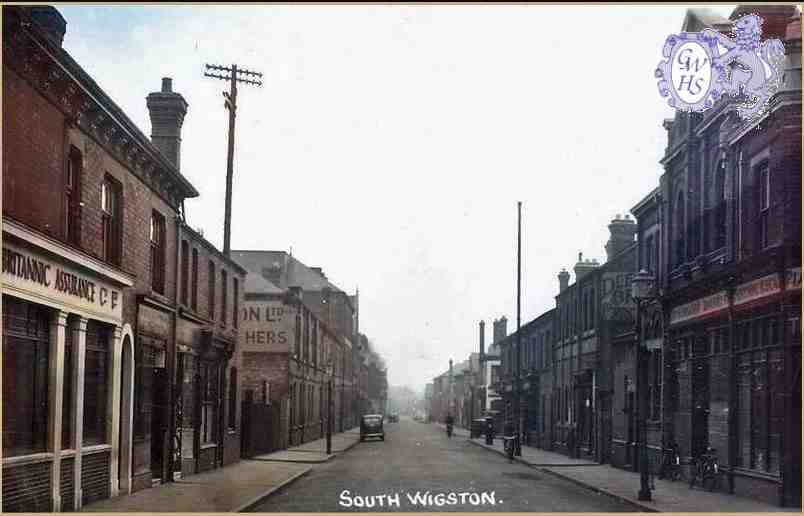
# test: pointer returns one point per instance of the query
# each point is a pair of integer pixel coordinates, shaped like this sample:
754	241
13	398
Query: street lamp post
642	290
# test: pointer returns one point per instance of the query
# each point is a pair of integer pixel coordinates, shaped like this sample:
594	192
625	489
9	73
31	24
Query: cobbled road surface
419	459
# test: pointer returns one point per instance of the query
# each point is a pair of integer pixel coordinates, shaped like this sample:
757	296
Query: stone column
113	410
127	416
55	397
78	327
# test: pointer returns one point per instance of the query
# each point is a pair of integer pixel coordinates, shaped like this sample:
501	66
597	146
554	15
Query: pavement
418	469
234	488
623	485
315	452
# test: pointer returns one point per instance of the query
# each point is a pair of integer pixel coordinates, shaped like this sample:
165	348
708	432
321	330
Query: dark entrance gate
261	426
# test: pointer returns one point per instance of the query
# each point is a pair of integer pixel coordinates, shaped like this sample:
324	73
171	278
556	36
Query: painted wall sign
58	283
615	300
266	326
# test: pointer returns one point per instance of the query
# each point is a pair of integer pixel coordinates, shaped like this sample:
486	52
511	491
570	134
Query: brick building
92	220
728	213
296	344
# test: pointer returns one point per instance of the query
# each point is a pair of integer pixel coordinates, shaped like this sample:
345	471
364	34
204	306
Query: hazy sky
389	145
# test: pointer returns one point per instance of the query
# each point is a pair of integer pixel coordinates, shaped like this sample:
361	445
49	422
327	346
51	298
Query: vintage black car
371	426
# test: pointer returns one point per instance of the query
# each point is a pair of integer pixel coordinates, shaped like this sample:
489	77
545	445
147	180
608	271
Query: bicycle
509	445
706	468
671	463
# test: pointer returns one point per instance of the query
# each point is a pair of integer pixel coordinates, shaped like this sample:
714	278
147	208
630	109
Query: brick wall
271	367
33	157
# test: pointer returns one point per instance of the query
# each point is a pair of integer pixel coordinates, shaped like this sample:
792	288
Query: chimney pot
167	85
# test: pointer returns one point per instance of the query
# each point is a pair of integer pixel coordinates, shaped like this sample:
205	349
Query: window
315	343
111	199
763	188
233	398
26	335
72	197
96	383
209	402
720	206
211	289
194	286
678	231
66	410
185	271
648	250
157	238
760	388
224	296
235	301
297	341
145	360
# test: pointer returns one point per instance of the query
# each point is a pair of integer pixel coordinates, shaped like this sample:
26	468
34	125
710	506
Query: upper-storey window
72	197
678	230
157	238
211	289
720	205
111	205
763	191
194	285
185	271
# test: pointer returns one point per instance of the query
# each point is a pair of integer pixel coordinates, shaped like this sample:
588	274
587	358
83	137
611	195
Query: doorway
700	406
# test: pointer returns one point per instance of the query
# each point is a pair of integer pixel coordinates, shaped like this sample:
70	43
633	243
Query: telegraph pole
518	408
231	105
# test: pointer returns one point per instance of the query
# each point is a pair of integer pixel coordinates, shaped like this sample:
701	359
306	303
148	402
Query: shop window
96	383
66	410
72	197
209	402
111	206
232	398
194	284
145	361
26	346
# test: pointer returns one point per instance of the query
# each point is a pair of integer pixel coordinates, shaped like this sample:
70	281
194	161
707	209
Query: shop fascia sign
745	293
41	279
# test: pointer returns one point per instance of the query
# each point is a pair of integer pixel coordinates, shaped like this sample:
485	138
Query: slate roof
293	273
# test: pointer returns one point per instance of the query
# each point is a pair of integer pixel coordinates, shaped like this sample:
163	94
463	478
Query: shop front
737	352
67	373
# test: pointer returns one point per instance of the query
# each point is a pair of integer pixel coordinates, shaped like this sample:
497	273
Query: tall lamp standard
642	290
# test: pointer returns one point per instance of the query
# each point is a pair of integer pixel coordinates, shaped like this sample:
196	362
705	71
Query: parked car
393	417
371	426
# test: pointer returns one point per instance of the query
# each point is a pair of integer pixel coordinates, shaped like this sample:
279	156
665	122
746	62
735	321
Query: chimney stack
167	110
622	231
482	340
50	21
583	267
563	280
500	329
